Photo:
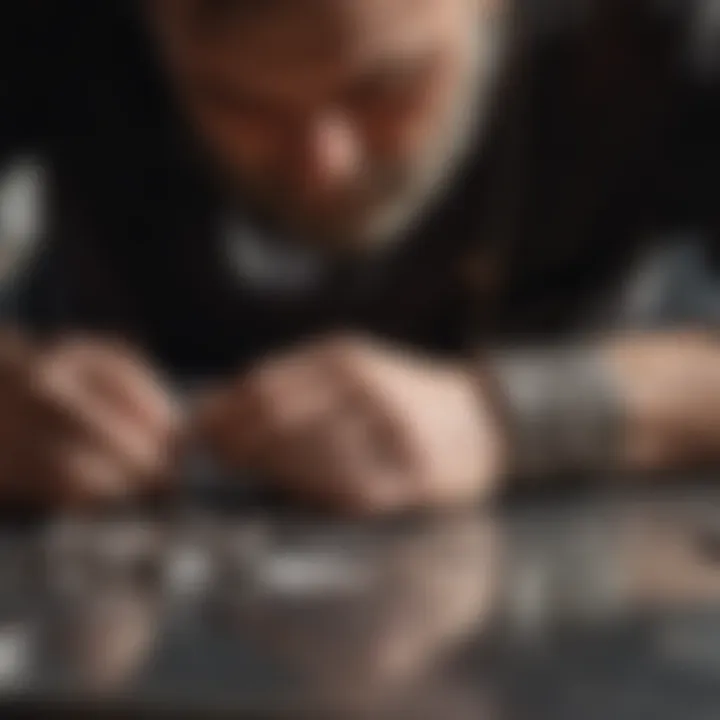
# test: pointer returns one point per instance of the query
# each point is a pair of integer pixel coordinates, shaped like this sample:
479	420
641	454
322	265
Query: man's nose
326	155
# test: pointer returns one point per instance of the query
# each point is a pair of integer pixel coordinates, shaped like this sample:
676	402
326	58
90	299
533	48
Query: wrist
560	408
483	433
671	385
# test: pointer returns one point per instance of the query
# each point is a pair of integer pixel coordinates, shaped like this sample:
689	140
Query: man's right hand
81	421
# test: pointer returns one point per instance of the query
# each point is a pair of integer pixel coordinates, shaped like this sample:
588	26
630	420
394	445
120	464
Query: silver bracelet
562	410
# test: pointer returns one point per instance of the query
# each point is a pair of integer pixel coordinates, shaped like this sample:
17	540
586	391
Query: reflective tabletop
592	607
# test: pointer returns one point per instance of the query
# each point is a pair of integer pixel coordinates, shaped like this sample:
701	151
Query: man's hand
360	428
80	421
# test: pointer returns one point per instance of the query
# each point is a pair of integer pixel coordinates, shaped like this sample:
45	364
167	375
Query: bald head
337	118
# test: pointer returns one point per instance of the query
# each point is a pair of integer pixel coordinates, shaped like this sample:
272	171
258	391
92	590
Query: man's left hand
358	427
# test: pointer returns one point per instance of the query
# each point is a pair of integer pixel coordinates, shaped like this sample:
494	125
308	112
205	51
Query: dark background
70	69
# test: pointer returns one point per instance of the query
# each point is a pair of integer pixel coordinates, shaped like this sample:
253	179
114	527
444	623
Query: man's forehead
315	36
346	17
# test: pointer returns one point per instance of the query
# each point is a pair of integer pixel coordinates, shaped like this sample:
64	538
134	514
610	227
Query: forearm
670	390
637	402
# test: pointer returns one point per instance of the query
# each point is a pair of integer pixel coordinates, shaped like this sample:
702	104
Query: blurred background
548	607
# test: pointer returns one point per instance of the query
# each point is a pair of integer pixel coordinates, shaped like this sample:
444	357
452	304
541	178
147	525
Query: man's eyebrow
253	99
396	67
233	94
216	13
385	69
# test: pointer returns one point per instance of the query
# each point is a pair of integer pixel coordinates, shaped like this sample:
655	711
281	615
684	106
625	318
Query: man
390	236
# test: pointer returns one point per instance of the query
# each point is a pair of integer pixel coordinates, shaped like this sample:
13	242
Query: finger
123	378
364	470
262	442
134	390
74	475
248	422
354	366
87	475
331	462
81	416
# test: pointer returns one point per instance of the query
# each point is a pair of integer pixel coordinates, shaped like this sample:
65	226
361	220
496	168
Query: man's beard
387	202
374	211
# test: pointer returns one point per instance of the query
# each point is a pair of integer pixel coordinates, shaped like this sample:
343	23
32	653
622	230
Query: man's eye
237	106
388	89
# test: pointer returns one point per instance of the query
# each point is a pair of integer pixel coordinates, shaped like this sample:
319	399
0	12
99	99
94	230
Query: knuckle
262	397
45	391
341	350
71	351
345	365
42	379
280	421
142	450
117	348
147	458
82	346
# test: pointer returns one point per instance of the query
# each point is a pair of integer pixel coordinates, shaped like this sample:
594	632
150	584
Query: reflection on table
494	614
